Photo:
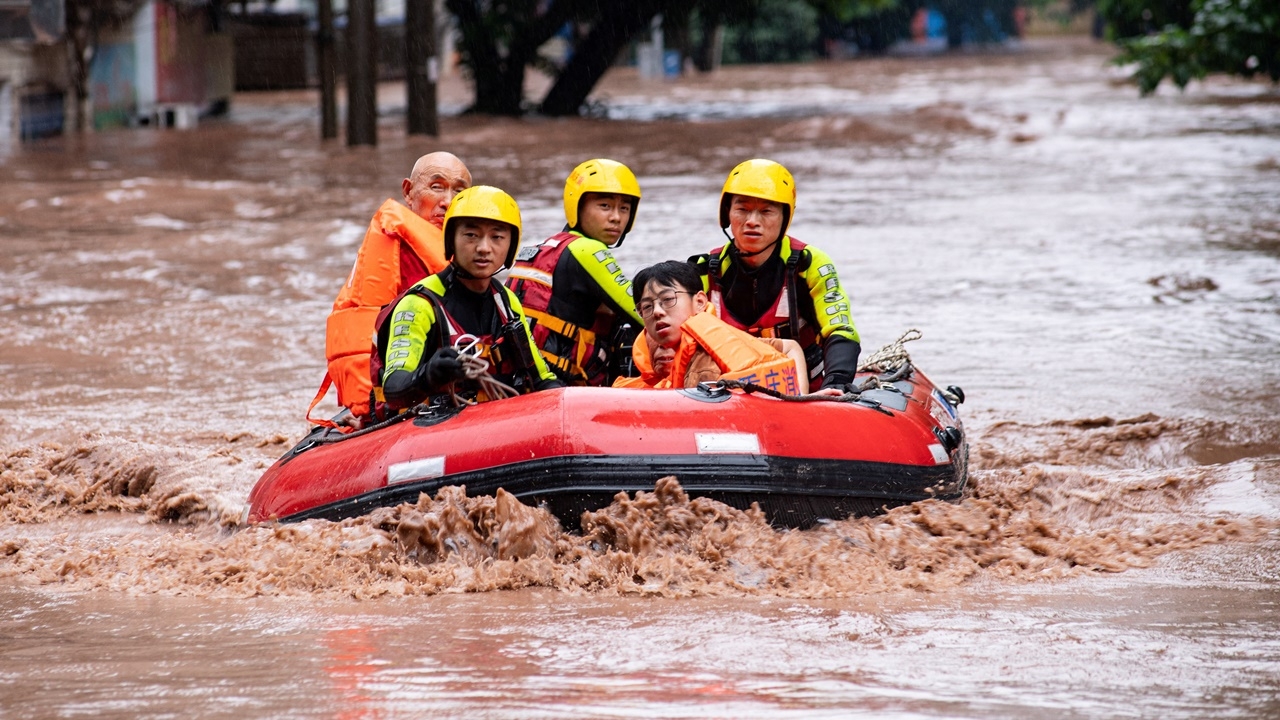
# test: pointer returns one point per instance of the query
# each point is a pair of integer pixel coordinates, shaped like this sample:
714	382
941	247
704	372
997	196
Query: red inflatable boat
573	449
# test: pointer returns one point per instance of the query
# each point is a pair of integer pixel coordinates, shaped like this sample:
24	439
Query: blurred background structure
74	65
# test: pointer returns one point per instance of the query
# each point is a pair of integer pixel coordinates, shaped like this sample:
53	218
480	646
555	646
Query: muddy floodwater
1098	271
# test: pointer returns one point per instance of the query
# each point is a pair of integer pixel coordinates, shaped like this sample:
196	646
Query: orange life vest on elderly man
404	244
376	280
737	356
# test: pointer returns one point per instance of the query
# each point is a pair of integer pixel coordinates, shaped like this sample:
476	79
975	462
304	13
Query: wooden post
328	73
362	73
420	67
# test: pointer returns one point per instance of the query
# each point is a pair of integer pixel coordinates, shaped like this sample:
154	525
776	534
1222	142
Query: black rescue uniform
795	294
580	306
441	312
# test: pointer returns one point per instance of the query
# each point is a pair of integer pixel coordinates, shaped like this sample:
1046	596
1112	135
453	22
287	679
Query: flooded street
1098	271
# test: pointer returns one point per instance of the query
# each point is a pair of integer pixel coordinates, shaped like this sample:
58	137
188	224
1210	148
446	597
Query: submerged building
159	62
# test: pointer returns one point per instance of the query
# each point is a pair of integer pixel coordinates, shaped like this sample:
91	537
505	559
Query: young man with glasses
684	343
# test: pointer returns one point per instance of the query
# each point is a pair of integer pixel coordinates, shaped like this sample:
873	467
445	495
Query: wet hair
669	273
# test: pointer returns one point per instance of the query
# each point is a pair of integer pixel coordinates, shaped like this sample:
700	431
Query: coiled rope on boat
891	357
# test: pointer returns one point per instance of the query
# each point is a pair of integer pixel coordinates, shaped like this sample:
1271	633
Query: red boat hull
574	449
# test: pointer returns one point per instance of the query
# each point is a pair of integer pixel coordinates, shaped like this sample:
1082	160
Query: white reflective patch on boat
424	469
940	456
746	443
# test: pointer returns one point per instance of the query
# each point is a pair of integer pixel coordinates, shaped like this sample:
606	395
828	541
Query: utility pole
421	67
328	73
362	73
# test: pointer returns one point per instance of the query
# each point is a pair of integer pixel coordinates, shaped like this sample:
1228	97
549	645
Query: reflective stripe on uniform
530	273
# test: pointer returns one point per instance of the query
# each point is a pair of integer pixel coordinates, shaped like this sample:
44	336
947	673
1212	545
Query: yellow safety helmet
763	179
600	175
486	203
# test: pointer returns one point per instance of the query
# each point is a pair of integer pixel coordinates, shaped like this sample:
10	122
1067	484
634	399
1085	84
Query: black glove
835	380
444	367
840	361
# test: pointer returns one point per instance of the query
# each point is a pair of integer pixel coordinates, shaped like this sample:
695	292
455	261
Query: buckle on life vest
579	338
512	348
557	362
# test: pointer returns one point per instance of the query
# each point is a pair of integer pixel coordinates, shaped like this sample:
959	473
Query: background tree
611	30
700	27
500	40
1133	18
779	31
876	27
84	20
1240	37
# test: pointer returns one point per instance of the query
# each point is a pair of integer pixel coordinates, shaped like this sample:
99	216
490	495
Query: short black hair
669	273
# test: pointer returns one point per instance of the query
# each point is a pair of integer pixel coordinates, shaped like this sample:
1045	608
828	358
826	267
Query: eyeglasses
646	307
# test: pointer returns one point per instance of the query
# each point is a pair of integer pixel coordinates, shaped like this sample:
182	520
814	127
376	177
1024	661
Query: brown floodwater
1098	271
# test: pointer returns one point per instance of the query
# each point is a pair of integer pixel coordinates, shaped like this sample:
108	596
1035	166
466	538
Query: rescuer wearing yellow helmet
461	307
772	285
572	289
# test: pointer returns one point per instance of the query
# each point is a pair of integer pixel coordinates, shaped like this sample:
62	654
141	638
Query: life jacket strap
581	338
324	388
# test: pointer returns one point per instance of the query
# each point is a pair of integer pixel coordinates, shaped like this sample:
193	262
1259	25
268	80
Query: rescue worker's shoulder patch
528	252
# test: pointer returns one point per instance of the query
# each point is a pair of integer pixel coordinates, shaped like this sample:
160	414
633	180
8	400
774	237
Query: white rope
477	368
891	357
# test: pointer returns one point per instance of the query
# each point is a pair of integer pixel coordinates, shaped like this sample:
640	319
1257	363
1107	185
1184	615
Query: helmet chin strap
459	272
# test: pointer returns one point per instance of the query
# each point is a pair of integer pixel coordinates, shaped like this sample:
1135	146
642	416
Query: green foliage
1240	37
780	31
846	11
875	32
1132	18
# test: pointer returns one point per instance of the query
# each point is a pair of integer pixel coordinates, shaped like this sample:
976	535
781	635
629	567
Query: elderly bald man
403	245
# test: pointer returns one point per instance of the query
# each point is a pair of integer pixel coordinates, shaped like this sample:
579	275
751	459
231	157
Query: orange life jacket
782	318
739	356
374	282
